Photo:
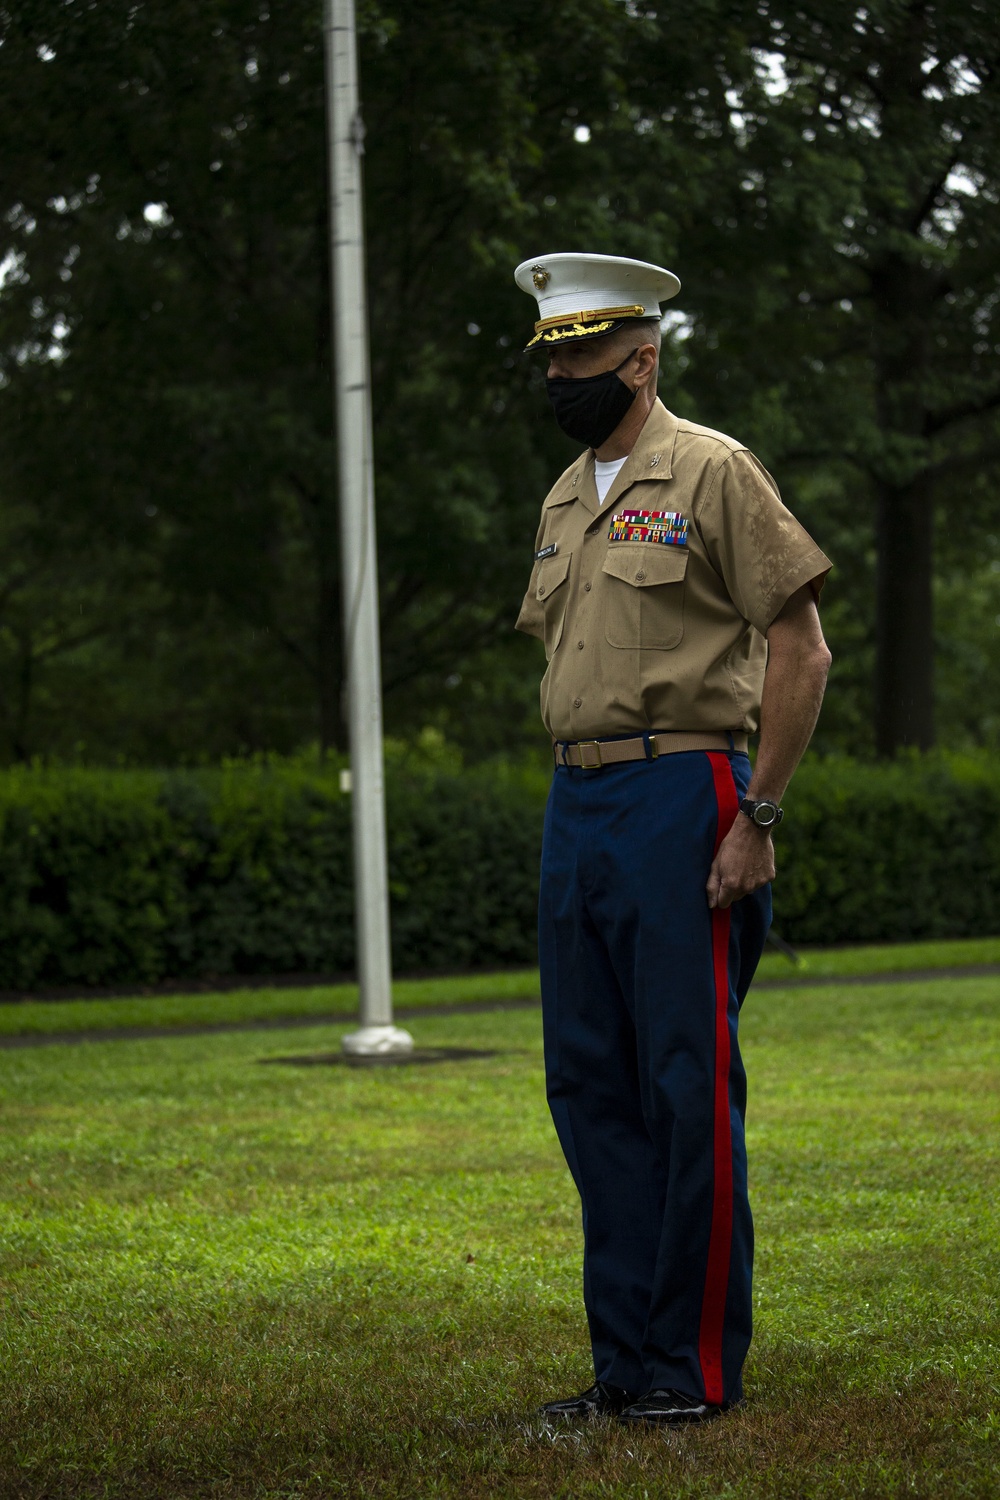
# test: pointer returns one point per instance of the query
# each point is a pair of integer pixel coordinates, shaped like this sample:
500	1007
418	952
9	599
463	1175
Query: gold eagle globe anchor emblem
540	277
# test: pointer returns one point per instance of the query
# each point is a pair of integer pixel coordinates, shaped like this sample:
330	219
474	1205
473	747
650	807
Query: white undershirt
605	475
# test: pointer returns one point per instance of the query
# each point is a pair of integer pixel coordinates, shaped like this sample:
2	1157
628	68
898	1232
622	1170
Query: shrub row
126	876
122	876
890	852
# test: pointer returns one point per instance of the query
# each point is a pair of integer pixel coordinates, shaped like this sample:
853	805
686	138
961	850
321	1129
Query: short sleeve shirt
653	608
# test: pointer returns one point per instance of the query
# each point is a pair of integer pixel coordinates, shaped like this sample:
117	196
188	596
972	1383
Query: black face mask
589	409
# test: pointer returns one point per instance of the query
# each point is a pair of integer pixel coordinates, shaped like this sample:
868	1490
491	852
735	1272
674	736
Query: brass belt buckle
594	765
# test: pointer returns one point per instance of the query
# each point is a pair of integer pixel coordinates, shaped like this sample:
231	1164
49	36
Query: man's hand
744	863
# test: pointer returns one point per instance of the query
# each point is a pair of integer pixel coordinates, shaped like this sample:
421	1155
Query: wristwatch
765	814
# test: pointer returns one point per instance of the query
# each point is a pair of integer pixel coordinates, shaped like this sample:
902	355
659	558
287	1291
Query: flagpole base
377	1044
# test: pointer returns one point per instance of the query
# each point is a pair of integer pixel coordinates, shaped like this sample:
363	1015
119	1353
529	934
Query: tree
850	232
165	209
824	178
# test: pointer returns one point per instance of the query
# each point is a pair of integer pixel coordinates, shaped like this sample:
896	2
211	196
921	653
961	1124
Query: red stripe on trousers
713	1307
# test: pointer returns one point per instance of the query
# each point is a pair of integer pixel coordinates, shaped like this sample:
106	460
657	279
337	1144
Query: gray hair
631	335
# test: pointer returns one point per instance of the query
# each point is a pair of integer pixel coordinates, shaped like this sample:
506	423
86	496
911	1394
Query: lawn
269	1002
229	1269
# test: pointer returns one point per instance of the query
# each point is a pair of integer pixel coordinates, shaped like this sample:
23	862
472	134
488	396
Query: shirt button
541	590
587	587
577	702
579	645
639	576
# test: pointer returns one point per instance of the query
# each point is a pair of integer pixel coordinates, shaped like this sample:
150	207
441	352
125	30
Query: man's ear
646	368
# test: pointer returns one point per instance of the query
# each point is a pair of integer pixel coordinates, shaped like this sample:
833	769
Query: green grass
884	958
33	1017
29	1017
229	1276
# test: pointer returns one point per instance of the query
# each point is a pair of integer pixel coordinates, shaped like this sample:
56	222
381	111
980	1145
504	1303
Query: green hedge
122	876
128	876
885	853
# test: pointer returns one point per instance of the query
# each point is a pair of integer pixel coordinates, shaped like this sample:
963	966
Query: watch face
765	814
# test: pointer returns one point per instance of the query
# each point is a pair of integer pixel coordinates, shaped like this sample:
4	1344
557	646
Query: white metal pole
377	1037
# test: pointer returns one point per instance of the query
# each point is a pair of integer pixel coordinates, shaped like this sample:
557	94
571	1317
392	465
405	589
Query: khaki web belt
591	755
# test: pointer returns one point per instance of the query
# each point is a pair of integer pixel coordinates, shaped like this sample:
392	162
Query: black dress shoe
670	1409
601	1400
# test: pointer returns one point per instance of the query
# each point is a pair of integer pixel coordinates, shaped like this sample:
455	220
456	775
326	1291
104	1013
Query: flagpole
377	1036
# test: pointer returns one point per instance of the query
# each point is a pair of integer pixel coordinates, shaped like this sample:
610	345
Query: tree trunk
904	622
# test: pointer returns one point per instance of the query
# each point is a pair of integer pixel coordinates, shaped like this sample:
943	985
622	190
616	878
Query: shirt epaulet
730	449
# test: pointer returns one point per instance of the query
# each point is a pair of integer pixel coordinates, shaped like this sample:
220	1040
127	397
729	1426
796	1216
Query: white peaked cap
585	296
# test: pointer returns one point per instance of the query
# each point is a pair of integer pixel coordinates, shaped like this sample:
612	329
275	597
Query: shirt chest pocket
552	594
644	595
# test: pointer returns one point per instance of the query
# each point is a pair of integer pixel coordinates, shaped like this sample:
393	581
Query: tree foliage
861	234
823	178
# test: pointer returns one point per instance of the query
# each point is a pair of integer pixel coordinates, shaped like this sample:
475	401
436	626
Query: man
676	597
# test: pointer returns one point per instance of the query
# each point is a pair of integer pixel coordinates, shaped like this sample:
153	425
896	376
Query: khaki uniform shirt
647	635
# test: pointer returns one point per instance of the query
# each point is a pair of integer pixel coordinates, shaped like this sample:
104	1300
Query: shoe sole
591	1414
672	1419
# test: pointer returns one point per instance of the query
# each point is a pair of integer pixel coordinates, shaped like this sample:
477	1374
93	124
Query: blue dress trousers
641	989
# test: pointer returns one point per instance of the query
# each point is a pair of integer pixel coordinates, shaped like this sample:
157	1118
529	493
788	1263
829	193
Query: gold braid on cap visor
583	323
